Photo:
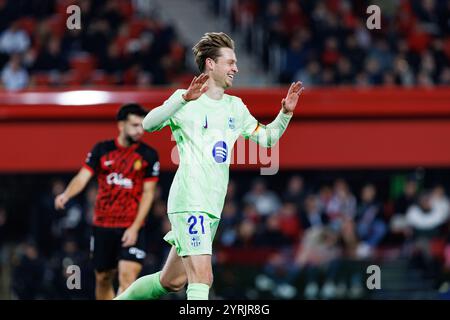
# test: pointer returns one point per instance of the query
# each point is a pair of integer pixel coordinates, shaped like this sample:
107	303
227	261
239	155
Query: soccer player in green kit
206	123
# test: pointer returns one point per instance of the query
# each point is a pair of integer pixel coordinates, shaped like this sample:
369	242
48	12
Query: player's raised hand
60	201
290	102
197	87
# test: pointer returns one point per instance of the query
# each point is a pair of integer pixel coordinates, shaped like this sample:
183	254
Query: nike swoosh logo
206	123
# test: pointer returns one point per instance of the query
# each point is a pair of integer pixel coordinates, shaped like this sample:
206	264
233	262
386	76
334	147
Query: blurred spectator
427	219
370	227
272	235
28	273
266	202
342	204
289	221
45	220
14	76
51	58
429	214
399	227
246	235
295	191
316	258
313	215
14	40
229	221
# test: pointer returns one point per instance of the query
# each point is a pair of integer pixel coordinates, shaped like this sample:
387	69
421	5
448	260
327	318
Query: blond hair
209	47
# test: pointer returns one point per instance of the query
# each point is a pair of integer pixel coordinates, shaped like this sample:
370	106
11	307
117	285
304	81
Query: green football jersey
205	131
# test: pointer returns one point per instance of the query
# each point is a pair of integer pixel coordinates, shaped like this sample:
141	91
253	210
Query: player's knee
104	278
126	278
174	284
209	279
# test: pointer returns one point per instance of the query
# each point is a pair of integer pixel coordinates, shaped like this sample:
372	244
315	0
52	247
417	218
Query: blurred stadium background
364	166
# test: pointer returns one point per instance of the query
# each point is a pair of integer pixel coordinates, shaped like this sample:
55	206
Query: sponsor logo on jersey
231	123
138	253
220	151
118	180
107	163
205	126
137	165
155	169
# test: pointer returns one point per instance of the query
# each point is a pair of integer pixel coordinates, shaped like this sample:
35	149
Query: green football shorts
192	232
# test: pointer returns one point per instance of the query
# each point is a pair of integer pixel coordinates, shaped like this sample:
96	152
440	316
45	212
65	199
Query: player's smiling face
224	68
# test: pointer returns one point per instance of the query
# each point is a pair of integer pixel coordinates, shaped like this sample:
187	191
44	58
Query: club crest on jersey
231	123
220	151
137	165
195	241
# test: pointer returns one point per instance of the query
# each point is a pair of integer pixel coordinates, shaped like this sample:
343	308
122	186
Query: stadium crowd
304	240
119	43
328	43
319	42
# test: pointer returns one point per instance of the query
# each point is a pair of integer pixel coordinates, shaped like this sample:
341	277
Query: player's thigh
173	276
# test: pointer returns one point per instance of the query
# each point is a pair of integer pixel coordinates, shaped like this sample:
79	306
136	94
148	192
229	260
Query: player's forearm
155	118
75	186
268	136
144	208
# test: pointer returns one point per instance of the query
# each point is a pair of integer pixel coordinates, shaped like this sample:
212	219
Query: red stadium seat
28	24
102	79
84	63
41	79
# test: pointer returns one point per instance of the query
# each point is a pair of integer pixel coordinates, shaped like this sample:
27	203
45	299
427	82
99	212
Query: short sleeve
152	170
248	122
93	159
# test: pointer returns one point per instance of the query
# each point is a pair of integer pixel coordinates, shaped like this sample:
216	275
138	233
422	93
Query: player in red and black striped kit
127	171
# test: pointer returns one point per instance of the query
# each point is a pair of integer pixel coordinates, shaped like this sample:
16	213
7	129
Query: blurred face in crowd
341	188
438	192
259	187
311	204
410	188
424	202
131	128
296	184
223	70
368	193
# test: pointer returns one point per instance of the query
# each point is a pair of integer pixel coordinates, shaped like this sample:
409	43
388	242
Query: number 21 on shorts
192	221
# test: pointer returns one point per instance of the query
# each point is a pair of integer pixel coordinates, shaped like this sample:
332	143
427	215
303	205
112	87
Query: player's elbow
147	123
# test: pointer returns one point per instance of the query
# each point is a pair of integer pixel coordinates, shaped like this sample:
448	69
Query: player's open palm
290	102
197	87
